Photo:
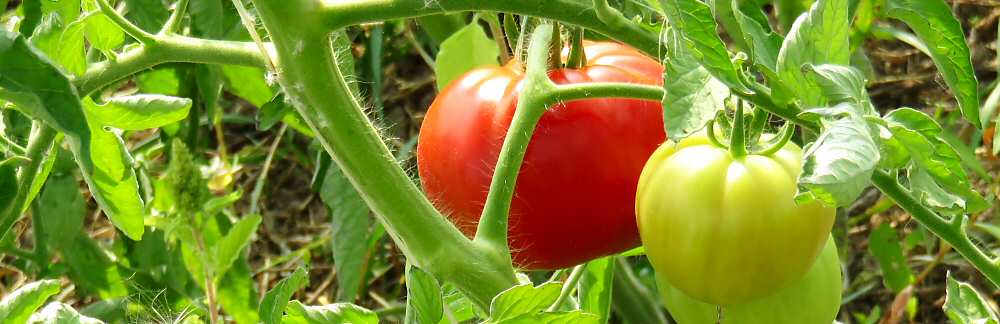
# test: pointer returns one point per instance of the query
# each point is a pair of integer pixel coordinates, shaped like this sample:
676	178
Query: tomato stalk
576	58
737	139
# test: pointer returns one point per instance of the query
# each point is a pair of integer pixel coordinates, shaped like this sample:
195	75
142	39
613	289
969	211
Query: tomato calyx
739	138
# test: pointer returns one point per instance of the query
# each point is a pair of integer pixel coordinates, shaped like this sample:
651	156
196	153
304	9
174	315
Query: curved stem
786	134
953	235
737	140
710	128
42	139
568	287
498	35
577	91
609	15
757	124
174	21
132	30
532	103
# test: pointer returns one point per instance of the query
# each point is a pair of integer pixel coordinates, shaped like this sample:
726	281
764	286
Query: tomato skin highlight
815	298
574	196
727	230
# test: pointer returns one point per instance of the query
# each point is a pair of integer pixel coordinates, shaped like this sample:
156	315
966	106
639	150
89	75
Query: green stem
338	14
568	287
38	146
174	21
532	102
314	83
757	124
737	139
577	58
609	15
132	30
631	300
555	47
577	91
498	35
786	134
953	235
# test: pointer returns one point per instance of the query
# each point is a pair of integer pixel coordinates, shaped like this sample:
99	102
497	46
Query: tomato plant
814	298
574	194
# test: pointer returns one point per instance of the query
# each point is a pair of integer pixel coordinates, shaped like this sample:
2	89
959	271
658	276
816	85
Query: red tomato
575	195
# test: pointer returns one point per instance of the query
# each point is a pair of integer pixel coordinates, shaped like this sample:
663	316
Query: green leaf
272	112
59	313
150	15
693	95
68	10
92	271
237	293
423	297
523	299
101	32
693	20
839	83
884	245
818	37
16	307
205	18
991	229
231	246
936	26
964	304
138	112
8	180
571	317
595	288
466	49
62	43
350	223
248	83
272	307
764	43
333	313
61	209
919	135
838	166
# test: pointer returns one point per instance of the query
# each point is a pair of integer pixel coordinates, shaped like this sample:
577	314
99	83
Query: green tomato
814	299
727	230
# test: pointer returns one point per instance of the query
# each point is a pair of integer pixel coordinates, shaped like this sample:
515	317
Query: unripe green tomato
727	230
814	299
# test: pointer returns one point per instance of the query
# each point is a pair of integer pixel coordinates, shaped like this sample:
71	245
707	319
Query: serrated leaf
838	166
819	36
231	246
115	177
595	288
272	307
59	313
936	26
693	95
350	222
17	306
61	42
424	304
138	112
839	83
884	245
693	20
523	299
763	42
333	313
61	209
963	304
466	49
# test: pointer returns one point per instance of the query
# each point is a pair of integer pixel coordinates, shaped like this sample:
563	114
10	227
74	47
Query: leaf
693	20
523	299
838	166
272	112
350	223
693	95
466	49
571	317
138	112
231	246
595	288
919	135
963	304
59	313
423	297
272	307
333	313
839	83
936	26
61	42
205	18
115	177
61	210
820	36
16	307
248	83
92	271
150	15
764	43
8	181
101	32
237	293
884	245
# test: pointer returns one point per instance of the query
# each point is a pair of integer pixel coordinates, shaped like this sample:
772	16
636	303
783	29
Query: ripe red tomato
574	197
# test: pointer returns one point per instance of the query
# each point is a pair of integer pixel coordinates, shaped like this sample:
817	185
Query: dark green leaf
350	223
466	49
964	304
8	180
884	245
272	112
693	19
237	293
595	288
838	166
16	307
693	95
818	37
91	269
424	304
523	299
205	18
333	313
934	23
272	307
61	209
150	15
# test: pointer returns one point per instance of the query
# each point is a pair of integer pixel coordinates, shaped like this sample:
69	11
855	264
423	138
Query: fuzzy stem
132	30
